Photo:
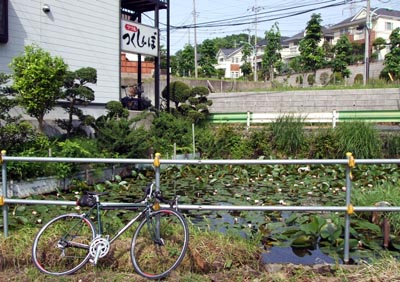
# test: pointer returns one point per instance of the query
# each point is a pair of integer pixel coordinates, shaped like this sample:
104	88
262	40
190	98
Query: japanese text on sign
138	38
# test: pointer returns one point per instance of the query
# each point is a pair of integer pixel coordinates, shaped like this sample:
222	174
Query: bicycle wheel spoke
62	245
159	244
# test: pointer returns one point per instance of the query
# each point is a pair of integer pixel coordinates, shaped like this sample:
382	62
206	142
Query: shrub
323	144
391	145
259	142
358	79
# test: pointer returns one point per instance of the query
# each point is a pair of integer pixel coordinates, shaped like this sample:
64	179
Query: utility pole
195	39
255	40
368	26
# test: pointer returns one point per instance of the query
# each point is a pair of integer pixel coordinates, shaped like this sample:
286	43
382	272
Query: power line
231	22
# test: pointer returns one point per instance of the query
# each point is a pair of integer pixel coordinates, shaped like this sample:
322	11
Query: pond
298	237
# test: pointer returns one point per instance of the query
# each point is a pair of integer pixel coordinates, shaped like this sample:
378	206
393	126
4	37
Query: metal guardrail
323	117
349	209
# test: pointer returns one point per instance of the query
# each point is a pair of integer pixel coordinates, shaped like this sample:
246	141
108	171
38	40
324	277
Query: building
230	61
383	22
84	33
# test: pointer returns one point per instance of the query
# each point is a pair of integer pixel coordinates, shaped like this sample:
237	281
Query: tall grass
360	138
288	136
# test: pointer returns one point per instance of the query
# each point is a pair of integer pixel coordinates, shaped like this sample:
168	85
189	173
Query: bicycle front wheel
159	243
62	245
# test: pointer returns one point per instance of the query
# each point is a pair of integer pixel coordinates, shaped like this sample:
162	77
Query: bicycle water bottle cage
86	201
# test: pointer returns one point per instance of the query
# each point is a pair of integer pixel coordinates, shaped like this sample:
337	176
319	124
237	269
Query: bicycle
67	242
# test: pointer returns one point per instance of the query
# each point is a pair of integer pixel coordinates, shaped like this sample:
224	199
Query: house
383	22
230	61
291	44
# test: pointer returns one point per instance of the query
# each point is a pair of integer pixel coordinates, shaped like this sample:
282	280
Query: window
3	21
388	26
221	60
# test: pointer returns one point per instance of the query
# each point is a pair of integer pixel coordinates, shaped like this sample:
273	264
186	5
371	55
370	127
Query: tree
15	135
179	93
208	53
311	54
378	44
246	67
198	103
77	93
38	78
185	61
272	55
391	71
342	58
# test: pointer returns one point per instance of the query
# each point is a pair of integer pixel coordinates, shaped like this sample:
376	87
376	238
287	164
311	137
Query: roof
326	31
142	6
264	42
375	12
227	52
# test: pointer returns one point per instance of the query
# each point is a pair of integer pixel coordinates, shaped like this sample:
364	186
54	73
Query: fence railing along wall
348	209
333	117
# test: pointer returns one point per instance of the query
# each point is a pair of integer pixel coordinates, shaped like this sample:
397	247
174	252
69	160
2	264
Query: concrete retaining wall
306	101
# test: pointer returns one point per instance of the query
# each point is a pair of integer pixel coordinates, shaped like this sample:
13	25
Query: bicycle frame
99	207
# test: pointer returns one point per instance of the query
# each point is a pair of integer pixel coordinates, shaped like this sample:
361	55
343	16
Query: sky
220	18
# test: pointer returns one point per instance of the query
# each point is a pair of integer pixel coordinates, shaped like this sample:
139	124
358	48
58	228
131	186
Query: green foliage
342	56
360	138
272	55
246	69
311	54
77	92
391	71
229	143
311	79
259	142
324	78
179	92
391	145
358	79
288	135
166	130
111	134
373	195
185	61
38	78
208	52
323	144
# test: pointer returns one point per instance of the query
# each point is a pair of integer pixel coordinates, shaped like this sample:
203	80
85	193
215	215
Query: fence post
334	118
350	209
2	199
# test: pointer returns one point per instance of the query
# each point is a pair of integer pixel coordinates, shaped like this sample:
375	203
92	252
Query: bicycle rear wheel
159	243
62	245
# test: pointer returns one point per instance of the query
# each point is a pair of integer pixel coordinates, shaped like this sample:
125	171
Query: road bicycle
67	242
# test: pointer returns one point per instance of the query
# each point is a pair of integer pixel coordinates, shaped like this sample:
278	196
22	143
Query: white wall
85	33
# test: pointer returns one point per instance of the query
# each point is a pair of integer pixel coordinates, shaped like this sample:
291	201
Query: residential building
230	61
383	22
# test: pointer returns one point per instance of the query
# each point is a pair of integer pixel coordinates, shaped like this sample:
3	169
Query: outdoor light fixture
46	8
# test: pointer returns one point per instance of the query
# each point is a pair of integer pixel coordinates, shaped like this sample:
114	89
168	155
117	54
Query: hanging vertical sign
138	38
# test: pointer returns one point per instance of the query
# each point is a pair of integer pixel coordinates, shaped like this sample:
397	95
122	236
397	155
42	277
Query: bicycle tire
61	247
155	259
